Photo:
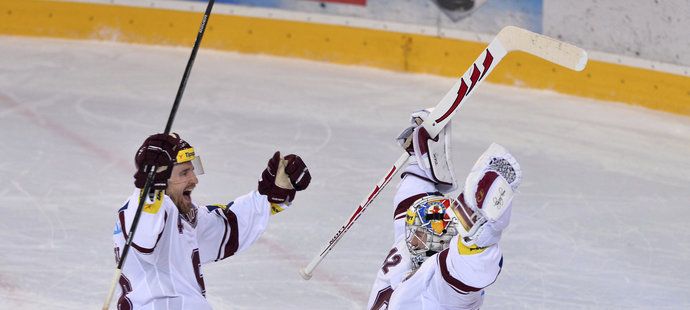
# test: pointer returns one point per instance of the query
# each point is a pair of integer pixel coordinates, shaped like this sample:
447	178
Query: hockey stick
151	172
508	39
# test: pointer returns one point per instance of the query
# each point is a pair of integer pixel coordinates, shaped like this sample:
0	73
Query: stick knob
304	274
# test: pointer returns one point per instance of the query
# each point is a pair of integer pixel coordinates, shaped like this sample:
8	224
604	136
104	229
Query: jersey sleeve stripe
141	249
225	234
234	242
401	208
454	283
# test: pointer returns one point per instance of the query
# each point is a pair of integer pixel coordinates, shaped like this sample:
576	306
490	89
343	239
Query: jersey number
382	299
196	263
392	260
123	303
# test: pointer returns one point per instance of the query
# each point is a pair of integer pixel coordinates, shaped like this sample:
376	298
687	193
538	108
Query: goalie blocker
432	155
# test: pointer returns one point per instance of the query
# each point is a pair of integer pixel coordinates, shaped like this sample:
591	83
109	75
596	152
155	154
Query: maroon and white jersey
395	268
452	279
398	263
455	278
163	266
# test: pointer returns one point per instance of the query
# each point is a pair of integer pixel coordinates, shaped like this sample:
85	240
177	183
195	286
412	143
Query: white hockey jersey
163	266
398	263
455	278
452	279
396	267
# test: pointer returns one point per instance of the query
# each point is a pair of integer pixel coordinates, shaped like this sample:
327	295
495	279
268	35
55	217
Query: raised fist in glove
283	178
158	150
297	172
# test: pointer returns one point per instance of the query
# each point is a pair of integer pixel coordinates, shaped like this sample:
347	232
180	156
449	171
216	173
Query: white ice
600	222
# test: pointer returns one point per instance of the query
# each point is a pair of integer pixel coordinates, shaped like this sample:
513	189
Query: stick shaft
307	271
188	68
111	291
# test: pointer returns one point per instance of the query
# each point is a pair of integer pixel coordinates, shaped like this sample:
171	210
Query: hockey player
175	236
445	250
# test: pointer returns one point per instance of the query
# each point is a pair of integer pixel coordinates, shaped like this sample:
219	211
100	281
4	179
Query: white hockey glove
430	157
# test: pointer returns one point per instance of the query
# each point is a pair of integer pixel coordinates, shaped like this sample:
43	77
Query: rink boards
341	40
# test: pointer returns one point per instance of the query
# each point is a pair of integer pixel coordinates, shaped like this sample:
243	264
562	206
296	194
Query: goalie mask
429	226
485	205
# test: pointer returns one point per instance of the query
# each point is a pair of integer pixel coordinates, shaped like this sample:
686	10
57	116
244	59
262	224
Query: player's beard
183	201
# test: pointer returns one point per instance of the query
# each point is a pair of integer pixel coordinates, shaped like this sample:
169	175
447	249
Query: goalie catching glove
430	156
486	202
283	178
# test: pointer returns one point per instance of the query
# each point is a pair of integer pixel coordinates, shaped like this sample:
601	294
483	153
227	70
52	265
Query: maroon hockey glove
158	150
298	172
267	183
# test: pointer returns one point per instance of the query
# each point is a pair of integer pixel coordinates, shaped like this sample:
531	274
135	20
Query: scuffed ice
600	221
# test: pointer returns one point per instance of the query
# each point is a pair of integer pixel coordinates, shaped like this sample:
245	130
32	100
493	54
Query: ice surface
600	221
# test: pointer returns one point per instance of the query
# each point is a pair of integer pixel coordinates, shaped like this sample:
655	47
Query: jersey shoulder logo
117	229
216	206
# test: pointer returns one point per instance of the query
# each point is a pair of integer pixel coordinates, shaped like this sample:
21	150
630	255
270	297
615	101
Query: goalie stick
151	172
508	39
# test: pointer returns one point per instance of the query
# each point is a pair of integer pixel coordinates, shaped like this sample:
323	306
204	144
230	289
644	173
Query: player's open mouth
187	194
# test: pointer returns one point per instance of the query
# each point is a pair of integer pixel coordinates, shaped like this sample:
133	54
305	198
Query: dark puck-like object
456	5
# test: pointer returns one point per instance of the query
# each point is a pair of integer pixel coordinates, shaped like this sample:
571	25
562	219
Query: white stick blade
567	55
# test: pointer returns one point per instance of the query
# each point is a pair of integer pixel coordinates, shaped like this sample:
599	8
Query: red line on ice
64	132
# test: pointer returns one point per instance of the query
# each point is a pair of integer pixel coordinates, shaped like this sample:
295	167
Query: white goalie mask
486	202
429	226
